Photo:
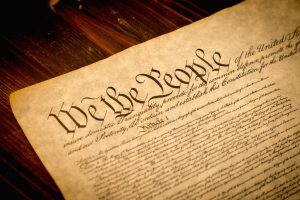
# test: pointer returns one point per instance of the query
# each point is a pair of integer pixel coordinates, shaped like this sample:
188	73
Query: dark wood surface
37	44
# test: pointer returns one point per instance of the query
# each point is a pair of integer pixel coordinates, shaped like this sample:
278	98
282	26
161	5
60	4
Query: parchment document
210	111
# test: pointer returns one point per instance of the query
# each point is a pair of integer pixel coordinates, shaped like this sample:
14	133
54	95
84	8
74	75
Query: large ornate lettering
123	104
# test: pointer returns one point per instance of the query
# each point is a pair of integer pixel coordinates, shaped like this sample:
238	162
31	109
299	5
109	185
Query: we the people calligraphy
123	104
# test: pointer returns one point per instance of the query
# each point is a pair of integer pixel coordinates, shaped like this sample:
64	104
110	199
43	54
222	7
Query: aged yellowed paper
210	111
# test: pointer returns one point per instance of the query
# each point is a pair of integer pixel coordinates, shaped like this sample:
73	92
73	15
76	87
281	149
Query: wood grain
40	44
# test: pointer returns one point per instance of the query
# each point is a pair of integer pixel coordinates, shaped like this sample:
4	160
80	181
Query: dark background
37	44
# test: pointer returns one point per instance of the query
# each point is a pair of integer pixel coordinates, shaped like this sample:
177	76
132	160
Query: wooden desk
41	44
